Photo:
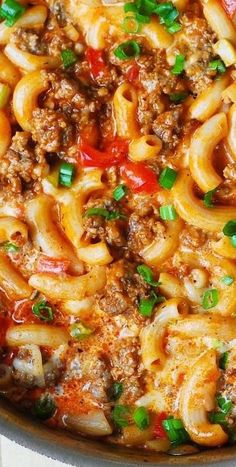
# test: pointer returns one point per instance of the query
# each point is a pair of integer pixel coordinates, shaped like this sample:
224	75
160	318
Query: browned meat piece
195	42
51	130
124	289
28	41
125	367
168	126
191	237
22	163
155	74
92	368
98	228
142	231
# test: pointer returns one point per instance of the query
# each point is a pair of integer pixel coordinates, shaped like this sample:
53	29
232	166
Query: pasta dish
118	218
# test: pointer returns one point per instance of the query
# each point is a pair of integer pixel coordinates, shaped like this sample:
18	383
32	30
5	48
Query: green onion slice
233	241
178	97
141	418
227	280
115	391
168	213
127	50
10	247
120	415
11	11
147	275
80	331
66	174
230	228
119	192
178	67
43	311
217	417
223	362
174	27
68	58
210	299
167	178
217	65
109	215
131	25
175	431
4	95
146	305
44	408
224	404
207	200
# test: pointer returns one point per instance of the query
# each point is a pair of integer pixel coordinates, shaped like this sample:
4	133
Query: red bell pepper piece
48	264
139	178
133	73
159	431
114	155
96	62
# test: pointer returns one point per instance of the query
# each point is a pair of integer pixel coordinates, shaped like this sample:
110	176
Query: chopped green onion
130	7
130	25
66	174
109	215
168	213
217	65
146	305
178	97
119	192
230	228
79	331
147	275
224	404
10	247
233	241
174	27
141	418
42	311
217	417
115	391
142	18
167	178
11	11
207	200
210	299
178	67
127	50
68	58
224	360
120	415
4	95
175	430
167	13
44	408
227	280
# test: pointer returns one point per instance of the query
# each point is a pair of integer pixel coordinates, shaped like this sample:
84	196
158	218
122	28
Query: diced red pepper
139	178
96	62
114	155
230	7
159	431
48	264
133	73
